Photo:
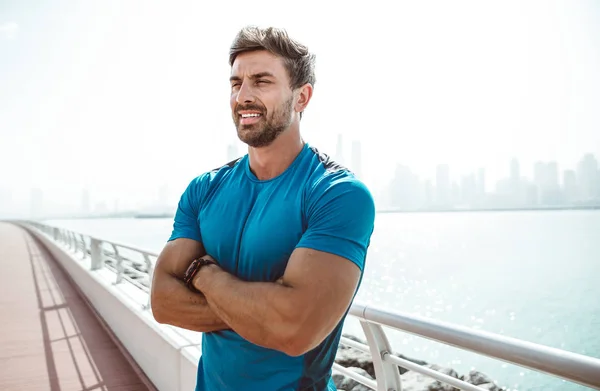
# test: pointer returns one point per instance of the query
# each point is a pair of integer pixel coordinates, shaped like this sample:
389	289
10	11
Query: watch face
189	273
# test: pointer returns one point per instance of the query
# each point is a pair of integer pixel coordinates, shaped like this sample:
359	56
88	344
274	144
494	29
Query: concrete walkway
50	339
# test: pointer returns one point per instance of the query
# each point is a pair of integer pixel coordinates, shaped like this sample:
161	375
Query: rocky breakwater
361	363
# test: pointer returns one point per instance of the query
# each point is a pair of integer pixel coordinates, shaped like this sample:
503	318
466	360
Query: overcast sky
123	96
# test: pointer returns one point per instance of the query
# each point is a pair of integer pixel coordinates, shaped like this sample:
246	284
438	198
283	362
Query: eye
262	82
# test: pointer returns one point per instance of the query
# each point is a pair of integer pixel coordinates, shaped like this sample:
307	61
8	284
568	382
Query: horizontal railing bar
129	247
118	244
115	257
356	345
355	376
572	366
129	265
460	384
137	284
127	278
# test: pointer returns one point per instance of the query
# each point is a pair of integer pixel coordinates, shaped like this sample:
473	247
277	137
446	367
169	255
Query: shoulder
331	182
325	163
339	211
202	184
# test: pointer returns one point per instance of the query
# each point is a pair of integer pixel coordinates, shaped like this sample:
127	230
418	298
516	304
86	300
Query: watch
193	269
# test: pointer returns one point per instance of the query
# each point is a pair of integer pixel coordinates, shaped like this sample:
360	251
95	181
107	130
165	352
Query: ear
304	95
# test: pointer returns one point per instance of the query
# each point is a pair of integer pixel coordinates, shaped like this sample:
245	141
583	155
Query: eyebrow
254	76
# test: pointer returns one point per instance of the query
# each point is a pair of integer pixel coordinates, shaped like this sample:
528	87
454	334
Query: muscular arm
172	302
294	315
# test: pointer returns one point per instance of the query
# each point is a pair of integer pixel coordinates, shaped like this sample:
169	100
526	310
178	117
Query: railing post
387	374
75	242
120	267
83	247
55	234
96	254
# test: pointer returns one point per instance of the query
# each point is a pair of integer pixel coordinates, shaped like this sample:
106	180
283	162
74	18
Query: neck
272	160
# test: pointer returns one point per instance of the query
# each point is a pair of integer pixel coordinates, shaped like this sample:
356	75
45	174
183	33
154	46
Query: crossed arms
293	315
172	302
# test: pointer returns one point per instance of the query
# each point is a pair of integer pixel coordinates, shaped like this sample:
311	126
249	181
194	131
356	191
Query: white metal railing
129	263
135	266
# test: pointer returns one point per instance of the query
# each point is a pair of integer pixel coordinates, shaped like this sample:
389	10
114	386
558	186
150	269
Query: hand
210	258
199	279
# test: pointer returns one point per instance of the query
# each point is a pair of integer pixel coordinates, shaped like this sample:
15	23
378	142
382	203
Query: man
267	252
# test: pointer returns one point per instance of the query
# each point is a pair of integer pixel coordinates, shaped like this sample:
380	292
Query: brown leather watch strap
193	269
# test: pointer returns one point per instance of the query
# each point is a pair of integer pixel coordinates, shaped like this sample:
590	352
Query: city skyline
549	186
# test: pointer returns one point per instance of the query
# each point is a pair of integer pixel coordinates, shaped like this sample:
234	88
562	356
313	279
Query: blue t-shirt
251	228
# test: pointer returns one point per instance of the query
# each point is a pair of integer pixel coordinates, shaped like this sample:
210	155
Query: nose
244	94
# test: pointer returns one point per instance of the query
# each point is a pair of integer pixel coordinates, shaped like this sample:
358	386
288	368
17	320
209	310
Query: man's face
262	102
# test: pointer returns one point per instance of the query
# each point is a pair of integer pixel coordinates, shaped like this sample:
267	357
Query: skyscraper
588	178
442	185
570	186
516	191
480	183
405	189
552	172
539	179
515	172
545	178
468	190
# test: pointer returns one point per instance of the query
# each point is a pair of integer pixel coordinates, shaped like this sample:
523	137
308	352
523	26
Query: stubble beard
264	132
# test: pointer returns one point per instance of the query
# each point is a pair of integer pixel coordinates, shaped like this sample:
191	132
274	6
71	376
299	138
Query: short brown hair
299	63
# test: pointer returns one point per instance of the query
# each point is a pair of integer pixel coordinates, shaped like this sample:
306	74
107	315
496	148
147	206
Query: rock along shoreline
361	363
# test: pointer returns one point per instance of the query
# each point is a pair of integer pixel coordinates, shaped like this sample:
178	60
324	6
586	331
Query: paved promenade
50	339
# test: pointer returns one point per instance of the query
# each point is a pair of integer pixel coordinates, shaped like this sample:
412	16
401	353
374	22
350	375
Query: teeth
250	115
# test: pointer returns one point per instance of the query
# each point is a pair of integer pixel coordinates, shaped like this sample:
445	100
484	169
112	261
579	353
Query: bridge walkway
50	337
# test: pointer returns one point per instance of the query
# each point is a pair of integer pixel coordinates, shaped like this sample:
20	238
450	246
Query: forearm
173	303
261	312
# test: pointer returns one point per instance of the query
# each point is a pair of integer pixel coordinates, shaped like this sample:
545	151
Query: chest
252	228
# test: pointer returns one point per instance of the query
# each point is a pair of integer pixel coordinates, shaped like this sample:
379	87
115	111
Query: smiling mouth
249	119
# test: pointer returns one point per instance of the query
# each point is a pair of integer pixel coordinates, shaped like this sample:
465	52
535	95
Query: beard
268	128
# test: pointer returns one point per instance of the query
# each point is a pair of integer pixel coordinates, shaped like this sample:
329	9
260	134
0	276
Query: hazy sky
123	96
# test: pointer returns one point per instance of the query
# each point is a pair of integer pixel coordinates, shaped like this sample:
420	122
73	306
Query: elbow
296	350
299	340
298	346
156	307
299	332
158	317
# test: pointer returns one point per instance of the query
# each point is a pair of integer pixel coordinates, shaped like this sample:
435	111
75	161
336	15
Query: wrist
194	268
202	279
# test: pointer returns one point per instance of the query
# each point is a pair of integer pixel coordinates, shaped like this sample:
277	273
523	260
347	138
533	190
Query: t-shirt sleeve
340	220
186	223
